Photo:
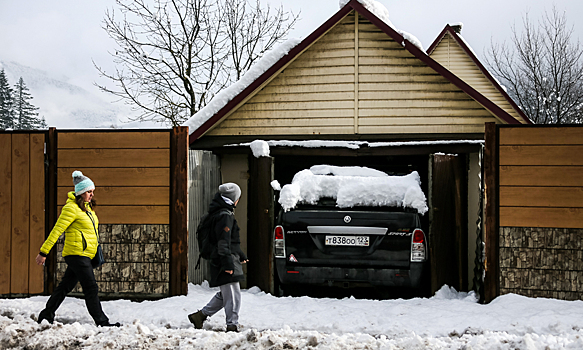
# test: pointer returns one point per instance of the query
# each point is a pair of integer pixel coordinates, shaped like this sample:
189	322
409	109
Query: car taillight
418	246
279	243
279	232
418	236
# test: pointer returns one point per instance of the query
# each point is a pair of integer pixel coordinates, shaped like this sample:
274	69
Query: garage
356	93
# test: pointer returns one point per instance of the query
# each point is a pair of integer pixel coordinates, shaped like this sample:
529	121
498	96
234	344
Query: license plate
358	241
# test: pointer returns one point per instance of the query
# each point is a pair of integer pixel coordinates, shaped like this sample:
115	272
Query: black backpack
204	235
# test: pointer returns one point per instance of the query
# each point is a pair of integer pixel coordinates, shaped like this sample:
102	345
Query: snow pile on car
353	186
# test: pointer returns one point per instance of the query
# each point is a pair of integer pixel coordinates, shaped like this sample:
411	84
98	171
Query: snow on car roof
354	186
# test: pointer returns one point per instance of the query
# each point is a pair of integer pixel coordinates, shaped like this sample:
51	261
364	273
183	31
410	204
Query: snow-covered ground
448	320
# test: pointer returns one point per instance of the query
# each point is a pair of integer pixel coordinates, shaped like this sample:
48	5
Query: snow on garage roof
261	148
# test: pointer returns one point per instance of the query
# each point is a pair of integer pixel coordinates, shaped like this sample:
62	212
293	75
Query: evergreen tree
26	114
43	123
6	103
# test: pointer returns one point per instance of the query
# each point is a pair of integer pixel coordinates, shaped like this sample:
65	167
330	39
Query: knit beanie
230	190
82	183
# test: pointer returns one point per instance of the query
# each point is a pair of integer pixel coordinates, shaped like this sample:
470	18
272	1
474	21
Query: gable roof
448	30
330	23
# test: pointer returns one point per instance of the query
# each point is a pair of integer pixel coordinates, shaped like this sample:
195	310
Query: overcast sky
62	37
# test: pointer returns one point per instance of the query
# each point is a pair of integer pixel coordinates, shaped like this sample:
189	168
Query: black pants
79	269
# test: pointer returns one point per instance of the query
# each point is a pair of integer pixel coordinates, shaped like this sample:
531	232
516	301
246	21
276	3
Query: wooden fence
535	201
22	211
141	192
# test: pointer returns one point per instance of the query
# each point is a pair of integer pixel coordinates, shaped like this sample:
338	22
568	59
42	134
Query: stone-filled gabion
137	261
542	262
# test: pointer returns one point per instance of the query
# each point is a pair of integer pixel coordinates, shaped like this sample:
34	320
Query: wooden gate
534	211
260	225
22	211
448	229
142	188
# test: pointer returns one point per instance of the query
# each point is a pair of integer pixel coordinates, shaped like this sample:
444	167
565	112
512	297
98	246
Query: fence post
492	279
178	211
259	226
5	210
51	206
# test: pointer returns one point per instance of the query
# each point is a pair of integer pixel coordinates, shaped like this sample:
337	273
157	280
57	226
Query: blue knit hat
82	183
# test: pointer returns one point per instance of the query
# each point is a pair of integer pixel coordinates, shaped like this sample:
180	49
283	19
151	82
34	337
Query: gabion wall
541	262
137	261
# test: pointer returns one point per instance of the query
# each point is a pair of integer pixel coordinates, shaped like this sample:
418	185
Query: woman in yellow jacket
79	223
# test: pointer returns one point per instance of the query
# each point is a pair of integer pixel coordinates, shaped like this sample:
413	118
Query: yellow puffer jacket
81	236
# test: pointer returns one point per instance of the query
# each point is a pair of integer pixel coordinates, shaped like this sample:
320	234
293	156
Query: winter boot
197	319
232	328
45	315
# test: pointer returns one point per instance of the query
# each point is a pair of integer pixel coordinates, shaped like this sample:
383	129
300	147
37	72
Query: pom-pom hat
82	183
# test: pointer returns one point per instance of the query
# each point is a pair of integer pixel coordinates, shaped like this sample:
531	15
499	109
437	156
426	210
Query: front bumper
325	275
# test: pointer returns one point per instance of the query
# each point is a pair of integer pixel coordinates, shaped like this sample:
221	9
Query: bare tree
543	69
173	56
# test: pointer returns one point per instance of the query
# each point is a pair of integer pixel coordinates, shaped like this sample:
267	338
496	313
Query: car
335	234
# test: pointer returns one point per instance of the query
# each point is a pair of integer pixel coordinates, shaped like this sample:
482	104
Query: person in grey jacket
226	259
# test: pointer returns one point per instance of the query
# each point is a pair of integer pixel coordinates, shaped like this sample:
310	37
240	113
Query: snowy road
448	320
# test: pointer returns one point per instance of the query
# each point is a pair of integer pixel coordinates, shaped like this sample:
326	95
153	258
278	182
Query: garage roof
228	106
454	53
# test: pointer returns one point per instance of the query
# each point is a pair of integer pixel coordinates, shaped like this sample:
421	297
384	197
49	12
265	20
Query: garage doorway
448	234
444	180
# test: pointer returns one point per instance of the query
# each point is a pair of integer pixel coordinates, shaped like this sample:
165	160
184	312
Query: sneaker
197	319
232	328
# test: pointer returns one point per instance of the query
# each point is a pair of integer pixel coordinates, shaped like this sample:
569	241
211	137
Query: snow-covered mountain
65	105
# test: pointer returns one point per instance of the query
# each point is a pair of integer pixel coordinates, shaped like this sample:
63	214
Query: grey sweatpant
228	297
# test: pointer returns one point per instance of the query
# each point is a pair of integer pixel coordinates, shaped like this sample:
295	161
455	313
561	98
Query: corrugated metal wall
204	179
